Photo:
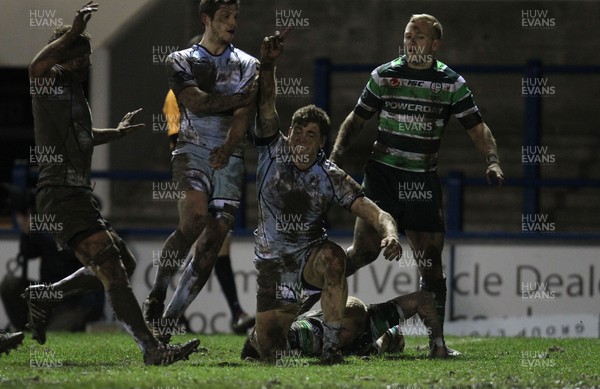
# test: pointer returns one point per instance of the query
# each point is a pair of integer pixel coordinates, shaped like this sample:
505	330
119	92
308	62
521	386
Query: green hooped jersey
414	106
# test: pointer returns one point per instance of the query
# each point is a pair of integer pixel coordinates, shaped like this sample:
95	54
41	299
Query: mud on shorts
413	199
70	214
191	171
280	280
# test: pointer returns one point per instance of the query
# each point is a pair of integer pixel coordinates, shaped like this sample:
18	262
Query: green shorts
413	199
191	171
70	214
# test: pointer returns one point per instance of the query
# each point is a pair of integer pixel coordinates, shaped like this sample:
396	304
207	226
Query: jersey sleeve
370	100
249	70
179	72
463	106
346	190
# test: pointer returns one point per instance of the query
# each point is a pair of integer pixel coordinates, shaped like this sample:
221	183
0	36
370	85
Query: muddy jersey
414	107
306	334
292	203
226	74
64	141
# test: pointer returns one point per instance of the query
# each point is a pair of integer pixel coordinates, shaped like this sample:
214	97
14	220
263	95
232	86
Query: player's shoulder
180	55
185	53
243	56
333	171
446	71
390	68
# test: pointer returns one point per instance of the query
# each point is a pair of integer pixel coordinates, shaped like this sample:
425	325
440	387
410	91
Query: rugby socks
330	335
81	282
438	289
174	252
429	314
190	284
128	312
224	274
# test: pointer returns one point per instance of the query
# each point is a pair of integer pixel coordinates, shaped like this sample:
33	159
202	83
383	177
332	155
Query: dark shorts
280	281
413	199
70	214
191	171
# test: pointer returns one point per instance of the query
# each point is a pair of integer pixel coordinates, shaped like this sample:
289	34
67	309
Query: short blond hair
438	31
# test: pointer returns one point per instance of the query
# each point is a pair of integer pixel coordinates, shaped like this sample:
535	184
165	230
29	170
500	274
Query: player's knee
334	258
193	223
107	266
126	257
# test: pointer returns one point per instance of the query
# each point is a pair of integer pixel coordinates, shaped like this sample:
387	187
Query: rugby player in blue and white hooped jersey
215	85
414	97
296	186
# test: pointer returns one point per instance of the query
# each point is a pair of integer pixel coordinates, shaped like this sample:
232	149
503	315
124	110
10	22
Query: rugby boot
166	354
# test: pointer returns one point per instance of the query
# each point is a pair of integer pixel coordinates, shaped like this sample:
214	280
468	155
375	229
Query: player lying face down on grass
296	186
373	329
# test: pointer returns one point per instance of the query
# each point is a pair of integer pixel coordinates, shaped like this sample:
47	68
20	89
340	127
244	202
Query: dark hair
80	45
312	114
210	7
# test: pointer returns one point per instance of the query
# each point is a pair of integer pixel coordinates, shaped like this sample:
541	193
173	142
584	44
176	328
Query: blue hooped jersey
292	203
226	74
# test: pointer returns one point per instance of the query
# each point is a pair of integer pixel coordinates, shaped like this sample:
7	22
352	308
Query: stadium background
130	40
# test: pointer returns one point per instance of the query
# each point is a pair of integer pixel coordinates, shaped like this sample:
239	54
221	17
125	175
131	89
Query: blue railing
455	182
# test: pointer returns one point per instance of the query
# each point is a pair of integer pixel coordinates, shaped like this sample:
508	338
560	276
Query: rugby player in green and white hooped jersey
414	97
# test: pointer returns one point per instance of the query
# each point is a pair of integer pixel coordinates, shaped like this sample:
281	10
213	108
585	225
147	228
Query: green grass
113	361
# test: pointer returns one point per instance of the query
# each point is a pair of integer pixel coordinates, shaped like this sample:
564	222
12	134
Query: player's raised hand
392	250
83	16
494	172
125	127
272	46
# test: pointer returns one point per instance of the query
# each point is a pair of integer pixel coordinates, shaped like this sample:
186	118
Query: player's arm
106	135
486	145
383	222
219	156
60	51
200	102
350	127
268	119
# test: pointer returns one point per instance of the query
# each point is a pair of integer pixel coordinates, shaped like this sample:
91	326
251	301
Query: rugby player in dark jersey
65	141
373	329
413	97
296	186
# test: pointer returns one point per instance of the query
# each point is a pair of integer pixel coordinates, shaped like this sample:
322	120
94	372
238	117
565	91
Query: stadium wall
557	285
